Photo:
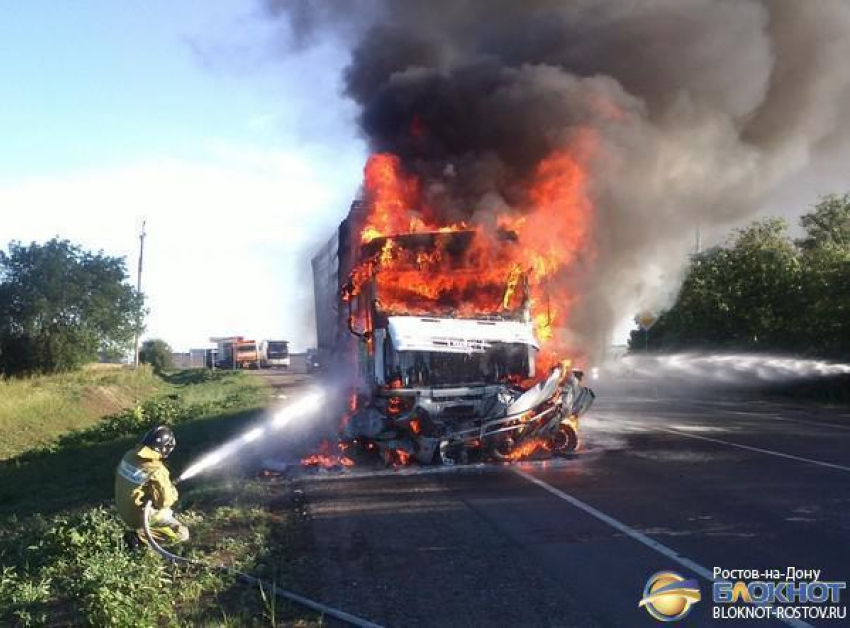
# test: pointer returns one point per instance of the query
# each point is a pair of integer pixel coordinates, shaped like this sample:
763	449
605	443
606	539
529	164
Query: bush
79	562
157	353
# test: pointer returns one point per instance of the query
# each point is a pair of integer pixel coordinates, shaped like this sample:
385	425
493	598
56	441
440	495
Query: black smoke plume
701	107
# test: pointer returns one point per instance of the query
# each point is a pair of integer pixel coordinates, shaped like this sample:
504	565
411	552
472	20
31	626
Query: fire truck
437	374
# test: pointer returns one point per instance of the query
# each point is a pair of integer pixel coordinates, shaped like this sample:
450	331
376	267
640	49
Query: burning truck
433	331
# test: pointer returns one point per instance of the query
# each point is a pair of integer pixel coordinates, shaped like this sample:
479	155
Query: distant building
193	359
180	360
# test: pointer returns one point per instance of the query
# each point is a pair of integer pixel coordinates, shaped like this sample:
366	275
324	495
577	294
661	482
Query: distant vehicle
237	352
247	355
312	359
211	358
274	354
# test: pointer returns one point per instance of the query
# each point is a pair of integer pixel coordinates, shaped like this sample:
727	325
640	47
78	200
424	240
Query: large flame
518	268
392	197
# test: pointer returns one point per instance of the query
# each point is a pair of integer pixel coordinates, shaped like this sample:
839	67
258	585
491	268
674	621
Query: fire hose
329	611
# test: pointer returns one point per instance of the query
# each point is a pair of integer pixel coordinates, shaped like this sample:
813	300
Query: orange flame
528	260
395	406
326	462
401	457
326	459
527	448
392	196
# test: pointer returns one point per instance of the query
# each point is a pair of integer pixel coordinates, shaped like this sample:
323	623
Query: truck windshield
277	349
433	368
446	274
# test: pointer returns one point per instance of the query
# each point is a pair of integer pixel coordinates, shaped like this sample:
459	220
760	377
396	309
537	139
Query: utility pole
698	243
139	290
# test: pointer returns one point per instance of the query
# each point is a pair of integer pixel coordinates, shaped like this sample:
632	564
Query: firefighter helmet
160	439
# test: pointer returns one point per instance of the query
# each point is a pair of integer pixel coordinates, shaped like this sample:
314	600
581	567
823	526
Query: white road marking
789	419
622	527
769	452
763	415
645	427
719	406
634	534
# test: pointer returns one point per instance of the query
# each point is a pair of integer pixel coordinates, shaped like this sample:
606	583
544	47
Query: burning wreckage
437	328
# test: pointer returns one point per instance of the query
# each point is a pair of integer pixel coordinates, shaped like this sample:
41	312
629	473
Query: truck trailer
440	362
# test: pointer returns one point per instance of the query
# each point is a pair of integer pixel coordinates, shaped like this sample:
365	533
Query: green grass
35	411
61	555
73	569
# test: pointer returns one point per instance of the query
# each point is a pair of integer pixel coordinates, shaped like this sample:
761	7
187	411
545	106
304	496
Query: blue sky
240	156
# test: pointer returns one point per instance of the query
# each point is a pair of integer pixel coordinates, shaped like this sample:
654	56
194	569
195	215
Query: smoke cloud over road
682	112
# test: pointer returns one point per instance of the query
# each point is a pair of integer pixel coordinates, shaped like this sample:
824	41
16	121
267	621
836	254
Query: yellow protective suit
141	476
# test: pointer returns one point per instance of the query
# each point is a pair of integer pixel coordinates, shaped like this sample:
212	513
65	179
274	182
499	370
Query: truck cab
445	351
274	354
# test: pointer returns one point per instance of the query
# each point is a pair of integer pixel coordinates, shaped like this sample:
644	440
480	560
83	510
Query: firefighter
142	476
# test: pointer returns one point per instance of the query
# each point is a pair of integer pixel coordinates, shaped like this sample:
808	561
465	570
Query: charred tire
452	453
565	440
502	449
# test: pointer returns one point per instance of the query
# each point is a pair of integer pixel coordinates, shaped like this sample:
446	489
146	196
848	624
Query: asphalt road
662	483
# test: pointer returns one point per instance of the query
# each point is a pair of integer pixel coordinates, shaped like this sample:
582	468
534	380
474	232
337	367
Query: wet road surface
662	483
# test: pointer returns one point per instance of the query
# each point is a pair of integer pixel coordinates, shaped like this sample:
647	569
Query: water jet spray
306	404
731	368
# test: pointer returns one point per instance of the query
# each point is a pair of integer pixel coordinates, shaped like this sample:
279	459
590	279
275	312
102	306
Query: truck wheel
565	440
502	449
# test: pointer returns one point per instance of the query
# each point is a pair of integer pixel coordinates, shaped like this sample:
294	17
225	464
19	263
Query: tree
825	262
828	226
157	353
740	296
60	306
765	292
